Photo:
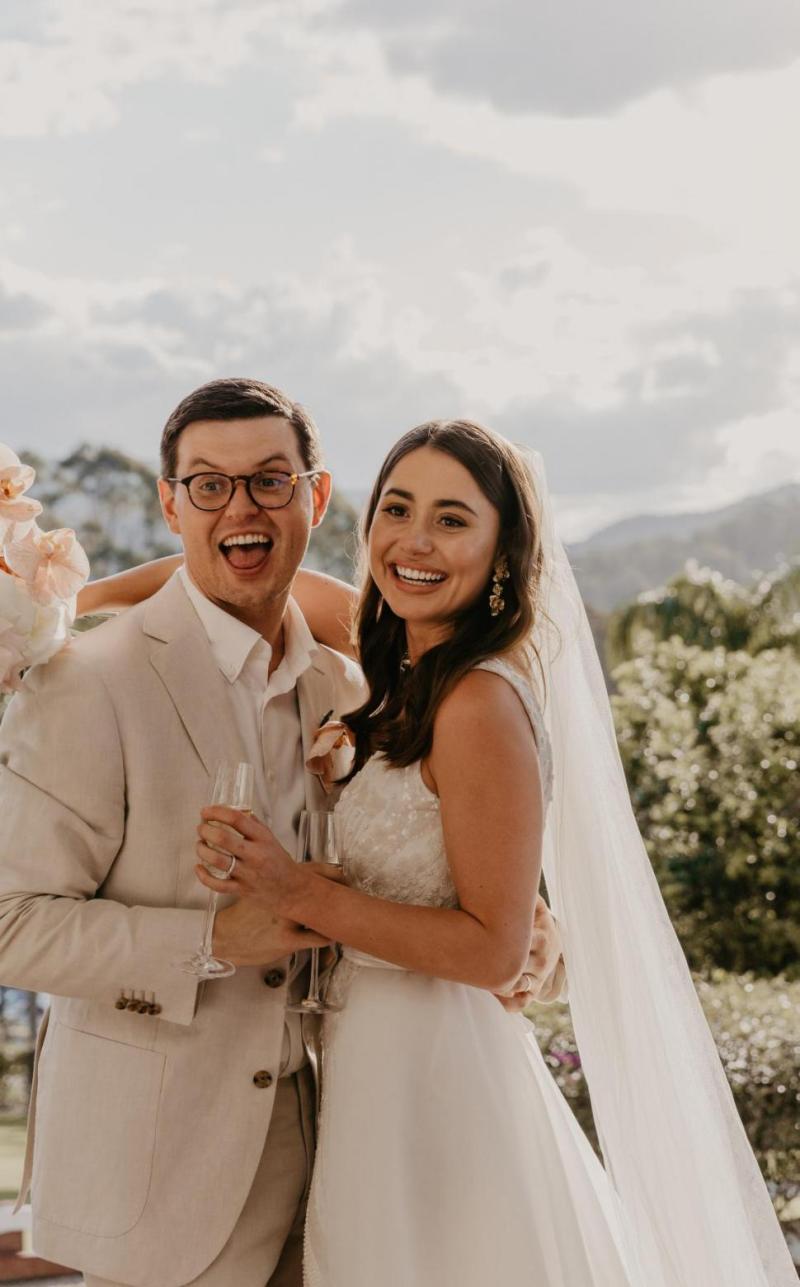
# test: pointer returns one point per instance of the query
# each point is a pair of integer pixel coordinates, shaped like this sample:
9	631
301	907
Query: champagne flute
316	842
233	786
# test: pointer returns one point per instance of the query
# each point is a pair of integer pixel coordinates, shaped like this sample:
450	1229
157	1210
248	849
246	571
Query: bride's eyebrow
440	504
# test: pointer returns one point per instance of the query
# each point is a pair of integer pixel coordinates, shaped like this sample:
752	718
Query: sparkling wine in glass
233	787
316	842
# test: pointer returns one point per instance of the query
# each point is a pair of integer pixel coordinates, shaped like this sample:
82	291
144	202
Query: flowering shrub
40	575
710	740
754	1024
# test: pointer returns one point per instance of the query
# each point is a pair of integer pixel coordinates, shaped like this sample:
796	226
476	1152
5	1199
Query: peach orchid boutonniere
332	753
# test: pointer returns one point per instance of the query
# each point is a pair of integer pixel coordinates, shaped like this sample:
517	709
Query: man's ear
320	496
166	495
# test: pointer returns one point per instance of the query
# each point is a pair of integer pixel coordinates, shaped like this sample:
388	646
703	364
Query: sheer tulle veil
696	1211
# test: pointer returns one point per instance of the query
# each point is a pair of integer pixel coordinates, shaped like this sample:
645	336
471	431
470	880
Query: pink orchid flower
15	479
54	564
332	754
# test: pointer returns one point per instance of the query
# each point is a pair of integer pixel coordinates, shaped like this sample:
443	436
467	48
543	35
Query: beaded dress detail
447	1157
391	831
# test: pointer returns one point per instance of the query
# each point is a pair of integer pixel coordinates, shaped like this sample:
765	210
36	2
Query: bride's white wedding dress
447	1156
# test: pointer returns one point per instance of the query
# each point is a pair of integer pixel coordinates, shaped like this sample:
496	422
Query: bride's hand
263	870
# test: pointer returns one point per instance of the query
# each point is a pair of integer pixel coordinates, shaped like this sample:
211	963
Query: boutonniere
332	752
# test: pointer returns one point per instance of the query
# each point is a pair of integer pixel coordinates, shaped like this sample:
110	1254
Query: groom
171	1126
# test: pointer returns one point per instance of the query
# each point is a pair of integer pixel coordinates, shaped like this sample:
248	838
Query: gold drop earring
497	602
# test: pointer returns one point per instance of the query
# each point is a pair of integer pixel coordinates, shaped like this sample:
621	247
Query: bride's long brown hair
398	716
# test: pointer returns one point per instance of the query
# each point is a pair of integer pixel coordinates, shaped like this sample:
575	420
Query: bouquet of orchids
40	576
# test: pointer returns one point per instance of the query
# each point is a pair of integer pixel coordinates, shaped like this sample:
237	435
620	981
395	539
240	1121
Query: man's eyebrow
278	458
440	504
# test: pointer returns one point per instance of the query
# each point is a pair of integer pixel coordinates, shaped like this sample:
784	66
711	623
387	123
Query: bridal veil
696	1210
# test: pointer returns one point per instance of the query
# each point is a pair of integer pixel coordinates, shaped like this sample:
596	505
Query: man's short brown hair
238	399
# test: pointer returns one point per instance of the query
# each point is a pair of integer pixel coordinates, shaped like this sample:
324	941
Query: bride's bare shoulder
484	702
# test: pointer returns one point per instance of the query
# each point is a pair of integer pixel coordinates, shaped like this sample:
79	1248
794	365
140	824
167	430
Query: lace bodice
391	831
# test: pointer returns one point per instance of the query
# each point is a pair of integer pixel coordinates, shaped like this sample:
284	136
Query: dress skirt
447	1156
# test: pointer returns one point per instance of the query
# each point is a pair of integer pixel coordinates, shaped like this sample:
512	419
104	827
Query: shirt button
262	1079
275	977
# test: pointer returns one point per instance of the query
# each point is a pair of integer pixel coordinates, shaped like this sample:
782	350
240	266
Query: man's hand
246	934
544	976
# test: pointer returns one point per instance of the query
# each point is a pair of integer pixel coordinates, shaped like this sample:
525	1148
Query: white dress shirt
268	721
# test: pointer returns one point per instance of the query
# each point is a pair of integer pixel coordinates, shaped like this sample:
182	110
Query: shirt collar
233	643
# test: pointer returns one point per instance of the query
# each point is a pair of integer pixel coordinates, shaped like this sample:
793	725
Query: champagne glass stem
313	986
208	924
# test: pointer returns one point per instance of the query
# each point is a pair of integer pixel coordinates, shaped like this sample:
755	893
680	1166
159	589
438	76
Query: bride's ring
526	983
229	872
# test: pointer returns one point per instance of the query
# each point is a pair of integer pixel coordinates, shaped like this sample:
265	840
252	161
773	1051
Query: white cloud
118	356
717	157
576	57
620	288
67	74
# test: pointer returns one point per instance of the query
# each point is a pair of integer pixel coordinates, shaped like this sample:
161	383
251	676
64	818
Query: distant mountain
753	535
112	503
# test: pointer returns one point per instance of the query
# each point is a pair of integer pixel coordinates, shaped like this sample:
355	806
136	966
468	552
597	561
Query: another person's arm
485	767
544	978
124	589
329	607
327	604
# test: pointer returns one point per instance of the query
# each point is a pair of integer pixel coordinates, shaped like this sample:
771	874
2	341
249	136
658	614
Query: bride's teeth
413	574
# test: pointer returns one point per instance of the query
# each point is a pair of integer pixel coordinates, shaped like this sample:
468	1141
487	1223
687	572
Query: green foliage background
707	710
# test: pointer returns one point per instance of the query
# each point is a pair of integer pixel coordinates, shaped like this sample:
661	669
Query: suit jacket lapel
314	689
181	654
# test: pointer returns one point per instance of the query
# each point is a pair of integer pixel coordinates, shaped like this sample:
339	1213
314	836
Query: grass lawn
12	1153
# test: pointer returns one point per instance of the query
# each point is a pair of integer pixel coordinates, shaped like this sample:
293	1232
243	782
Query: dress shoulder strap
525	692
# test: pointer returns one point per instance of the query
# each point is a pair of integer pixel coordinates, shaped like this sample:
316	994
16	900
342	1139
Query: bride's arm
328	606
124	589
485	766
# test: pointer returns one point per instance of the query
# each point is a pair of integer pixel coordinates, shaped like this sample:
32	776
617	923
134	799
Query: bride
485	753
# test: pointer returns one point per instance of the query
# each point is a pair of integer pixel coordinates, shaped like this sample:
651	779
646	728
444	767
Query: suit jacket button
275	977
132	1005
262	1079
121	1004
154	1008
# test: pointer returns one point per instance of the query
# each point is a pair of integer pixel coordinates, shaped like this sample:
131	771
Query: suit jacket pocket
96	1116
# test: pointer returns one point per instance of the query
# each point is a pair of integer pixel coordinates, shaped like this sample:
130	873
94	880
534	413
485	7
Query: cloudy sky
573	219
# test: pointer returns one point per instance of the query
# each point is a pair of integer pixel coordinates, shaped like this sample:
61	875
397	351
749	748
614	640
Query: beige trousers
265	1248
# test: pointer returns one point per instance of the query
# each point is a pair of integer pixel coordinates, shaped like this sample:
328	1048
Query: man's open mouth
248	551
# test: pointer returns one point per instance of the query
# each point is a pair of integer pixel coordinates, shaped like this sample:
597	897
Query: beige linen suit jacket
146	1128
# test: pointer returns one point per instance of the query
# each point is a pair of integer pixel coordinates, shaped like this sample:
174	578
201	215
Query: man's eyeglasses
269	489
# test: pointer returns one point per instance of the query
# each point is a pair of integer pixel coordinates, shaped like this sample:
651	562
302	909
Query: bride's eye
395	510
450	520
